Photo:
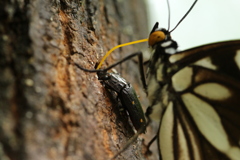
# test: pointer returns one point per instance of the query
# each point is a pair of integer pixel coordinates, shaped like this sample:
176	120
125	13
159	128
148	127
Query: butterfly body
195	95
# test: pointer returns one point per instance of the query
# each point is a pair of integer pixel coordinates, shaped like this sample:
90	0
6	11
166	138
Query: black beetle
126	94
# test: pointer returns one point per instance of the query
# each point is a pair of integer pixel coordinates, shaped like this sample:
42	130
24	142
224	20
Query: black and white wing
198	93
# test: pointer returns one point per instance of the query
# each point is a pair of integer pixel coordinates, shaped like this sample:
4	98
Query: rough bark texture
49	109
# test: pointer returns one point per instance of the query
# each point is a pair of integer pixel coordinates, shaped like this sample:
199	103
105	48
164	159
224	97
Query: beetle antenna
109	67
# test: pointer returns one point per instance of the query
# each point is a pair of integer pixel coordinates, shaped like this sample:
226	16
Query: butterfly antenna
185	15
169	14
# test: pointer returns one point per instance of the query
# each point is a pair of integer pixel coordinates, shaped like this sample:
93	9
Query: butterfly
195	94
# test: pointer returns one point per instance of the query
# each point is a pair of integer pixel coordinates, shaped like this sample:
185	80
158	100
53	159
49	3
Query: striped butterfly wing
197	95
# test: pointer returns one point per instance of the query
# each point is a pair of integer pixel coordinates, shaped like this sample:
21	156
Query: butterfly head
157	35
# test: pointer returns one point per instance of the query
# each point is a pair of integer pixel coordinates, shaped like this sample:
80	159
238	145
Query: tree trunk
49	109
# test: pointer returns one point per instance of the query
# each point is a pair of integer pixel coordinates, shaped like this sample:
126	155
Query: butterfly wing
200	91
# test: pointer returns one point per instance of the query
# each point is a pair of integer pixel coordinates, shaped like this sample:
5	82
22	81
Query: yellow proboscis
118	46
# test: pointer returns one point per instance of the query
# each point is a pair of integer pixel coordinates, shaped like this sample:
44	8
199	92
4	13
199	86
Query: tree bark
49	109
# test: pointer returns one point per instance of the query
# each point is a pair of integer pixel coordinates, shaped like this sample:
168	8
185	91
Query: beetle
126	94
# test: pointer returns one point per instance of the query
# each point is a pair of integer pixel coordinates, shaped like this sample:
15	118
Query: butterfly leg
149	152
